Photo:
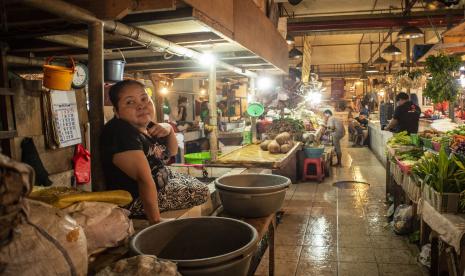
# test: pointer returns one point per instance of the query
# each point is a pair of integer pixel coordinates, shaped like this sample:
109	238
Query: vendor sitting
134	152
359	127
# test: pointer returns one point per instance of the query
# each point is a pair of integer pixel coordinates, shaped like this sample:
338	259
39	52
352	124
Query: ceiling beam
148	18
117	9
370	22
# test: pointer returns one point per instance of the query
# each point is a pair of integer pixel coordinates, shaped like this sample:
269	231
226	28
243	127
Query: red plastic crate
436	146
403	167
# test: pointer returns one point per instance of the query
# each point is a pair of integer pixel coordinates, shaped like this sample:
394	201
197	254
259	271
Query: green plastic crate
427	143
415	139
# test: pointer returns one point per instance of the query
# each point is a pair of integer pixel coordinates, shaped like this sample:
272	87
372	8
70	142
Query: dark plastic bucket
200	246
113	70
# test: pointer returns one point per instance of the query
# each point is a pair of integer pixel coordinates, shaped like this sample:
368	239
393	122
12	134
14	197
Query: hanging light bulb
392	50
295	53
289	39
410	32
379	59
371	68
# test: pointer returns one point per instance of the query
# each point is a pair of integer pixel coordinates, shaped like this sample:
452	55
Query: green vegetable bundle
411	155
443	173
401	138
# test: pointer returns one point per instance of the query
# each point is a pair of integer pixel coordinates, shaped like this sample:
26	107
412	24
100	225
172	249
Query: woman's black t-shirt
120	136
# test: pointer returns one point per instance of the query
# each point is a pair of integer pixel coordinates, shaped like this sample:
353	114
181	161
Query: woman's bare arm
135	165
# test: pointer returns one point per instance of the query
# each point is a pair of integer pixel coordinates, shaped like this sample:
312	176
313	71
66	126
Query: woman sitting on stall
134	152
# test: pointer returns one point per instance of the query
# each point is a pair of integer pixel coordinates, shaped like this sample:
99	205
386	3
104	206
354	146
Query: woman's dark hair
327	111
118	87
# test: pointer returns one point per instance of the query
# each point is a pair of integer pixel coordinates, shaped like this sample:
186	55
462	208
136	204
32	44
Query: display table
378	139
265	227
251	156
447	239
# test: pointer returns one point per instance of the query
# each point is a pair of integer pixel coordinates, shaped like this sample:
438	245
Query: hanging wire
438	36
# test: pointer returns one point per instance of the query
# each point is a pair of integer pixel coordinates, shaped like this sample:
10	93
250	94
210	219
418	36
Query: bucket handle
70	58
119	50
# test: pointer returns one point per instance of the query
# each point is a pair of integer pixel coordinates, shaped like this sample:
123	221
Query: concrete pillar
213	112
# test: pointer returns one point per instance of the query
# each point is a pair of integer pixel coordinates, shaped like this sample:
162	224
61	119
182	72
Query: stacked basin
252	195
206	246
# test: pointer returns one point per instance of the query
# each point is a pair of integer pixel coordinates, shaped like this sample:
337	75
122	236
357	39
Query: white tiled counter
378	139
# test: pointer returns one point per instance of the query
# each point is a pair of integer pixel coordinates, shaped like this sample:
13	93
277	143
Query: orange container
58	77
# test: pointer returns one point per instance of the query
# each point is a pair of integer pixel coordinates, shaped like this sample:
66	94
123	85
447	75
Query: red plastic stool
320	169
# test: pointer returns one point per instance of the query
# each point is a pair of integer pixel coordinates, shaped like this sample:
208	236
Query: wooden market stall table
449	228
266	227
251	156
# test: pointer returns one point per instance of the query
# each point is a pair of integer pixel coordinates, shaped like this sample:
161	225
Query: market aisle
331	231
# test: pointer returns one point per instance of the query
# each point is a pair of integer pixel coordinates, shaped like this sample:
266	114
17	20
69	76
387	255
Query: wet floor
328	230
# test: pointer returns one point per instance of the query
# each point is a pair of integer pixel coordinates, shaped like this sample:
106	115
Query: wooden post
158	99
213	112
96	117
6	105
253	126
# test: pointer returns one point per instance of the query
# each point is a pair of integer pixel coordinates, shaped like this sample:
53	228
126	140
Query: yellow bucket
58	77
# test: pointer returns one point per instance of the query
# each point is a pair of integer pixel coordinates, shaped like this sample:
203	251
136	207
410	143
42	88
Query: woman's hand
159	130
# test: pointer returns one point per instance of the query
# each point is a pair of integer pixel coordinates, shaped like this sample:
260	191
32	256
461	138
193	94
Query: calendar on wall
65	118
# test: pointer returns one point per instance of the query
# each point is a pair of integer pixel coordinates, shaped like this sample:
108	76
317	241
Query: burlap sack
105	224
45	242
143	265
16	181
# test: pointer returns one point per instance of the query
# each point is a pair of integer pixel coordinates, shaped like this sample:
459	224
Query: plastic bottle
247	136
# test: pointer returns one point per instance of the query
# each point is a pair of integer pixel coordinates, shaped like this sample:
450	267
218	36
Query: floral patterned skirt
182	191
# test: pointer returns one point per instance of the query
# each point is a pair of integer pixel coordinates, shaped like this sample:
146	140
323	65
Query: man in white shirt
336	126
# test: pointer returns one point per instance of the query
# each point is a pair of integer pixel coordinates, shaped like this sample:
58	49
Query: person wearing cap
406	115
361	127
336	127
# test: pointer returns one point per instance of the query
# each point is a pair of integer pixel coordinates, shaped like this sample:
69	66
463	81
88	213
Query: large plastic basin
200	246
252	195
252	183
252	205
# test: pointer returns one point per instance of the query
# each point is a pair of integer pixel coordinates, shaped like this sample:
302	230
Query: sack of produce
425	255
16	180
105	225
142	265
45	242
62	197
402	222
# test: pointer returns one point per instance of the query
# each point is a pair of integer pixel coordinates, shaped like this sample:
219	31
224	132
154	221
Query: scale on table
255	110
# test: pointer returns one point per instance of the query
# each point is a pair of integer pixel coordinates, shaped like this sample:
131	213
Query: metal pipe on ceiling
25	61
69	11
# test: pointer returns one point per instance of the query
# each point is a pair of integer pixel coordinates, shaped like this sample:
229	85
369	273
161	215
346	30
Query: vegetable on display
445	174
401	138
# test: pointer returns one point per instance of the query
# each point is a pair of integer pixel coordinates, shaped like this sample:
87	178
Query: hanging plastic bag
402	221
425	255
81	161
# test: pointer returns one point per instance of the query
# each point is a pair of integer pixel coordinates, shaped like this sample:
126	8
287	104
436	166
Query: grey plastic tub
253	183
200	246
252	205
113	70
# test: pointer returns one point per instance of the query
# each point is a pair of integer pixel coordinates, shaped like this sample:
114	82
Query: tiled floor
331	231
